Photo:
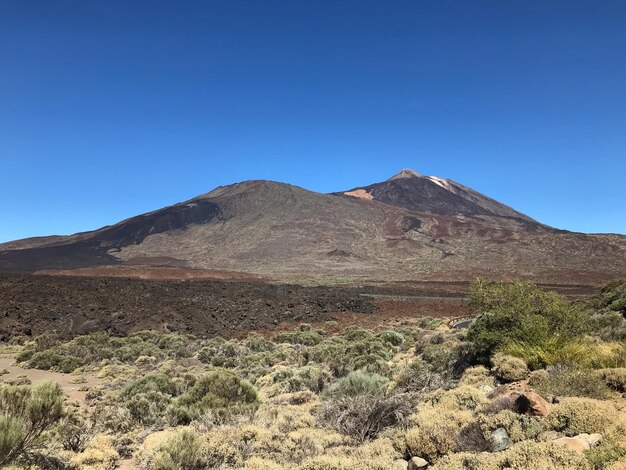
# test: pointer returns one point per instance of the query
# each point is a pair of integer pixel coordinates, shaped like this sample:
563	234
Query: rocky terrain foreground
403	393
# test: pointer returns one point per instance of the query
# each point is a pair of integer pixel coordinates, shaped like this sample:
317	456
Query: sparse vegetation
359	398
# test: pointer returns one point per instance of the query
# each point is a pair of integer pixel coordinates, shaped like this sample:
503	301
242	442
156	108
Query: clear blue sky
113	108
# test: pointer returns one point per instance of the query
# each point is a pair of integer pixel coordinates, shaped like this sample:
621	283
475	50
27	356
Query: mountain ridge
405	227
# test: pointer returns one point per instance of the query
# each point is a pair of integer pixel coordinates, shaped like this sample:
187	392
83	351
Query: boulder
530	402
579	443
417	463
499	440
520	399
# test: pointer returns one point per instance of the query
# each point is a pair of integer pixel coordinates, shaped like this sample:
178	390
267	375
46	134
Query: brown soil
76	392
165	273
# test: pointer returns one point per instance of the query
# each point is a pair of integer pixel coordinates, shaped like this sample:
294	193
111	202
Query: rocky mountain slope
410	226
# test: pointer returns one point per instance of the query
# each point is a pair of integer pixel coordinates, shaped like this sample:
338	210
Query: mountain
415	192
407	227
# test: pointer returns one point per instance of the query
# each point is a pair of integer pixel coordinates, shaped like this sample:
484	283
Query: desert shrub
418	377
519	427
581	354
220	391
286	417
257	343
429	323
467	461
608	325
360	406
392	337
222	353
541	456
614	378
522	456
53	360
94	347
290	380
183	451
258	463
581	415
439	356
509	368
74	431
471	438
99	454
435	432
429	339
463	397
156	381
592	354
148	397
356	349
357	384
477	376
563	381
176	345
305	336
521	313
25	416
608	453
369	354
109	415
446	353
374	455
364	416
612	297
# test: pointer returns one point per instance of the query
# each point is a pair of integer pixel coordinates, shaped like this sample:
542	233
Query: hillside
407	227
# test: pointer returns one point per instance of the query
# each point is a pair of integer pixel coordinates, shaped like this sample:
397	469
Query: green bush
418	377
94	347
343	356
613	378
609	451
612	297
361	406
220	391
522	314
155	381
149	397
257	343
582	353
182	452
290	380
357	384
25	415
305	336
363	417
562	381
392	337
608	325
581	415
509	368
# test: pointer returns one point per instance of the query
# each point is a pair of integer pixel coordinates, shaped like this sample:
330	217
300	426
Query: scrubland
535	382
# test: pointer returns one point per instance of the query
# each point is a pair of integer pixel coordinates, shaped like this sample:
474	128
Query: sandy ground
75	391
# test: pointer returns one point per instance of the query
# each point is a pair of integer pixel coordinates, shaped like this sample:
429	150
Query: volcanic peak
406	173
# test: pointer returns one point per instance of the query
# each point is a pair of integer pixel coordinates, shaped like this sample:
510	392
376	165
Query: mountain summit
406	173
416	192
410	226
